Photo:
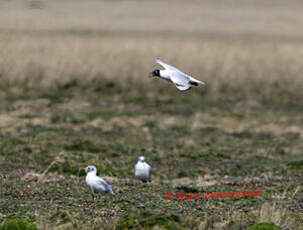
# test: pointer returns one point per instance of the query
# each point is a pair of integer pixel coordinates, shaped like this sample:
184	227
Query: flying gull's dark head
155	73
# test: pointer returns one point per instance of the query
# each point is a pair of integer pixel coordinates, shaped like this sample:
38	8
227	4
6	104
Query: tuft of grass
56	97
208	129
139	100
83	145
67	168
66	118
182	174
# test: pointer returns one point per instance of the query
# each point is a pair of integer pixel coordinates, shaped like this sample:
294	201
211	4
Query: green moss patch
147	221
265	226
296	165
18	224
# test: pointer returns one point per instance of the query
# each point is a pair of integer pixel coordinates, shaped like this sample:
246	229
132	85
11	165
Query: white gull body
97	184
181	80
143	170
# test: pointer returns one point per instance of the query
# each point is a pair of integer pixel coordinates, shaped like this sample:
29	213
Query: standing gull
143	170
181	80
95	183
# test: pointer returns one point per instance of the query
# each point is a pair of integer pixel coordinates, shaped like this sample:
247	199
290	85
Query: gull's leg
92	193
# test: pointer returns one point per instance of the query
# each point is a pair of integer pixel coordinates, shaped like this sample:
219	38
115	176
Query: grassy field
75	91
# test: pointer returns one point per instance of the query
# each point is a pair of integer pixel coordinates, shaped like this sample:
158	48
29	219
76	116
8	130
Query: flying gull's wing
167	66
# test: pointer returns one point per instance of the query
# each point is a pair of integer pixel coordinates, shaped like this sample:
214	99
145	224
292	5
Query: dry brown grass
253	49
46	62
270	17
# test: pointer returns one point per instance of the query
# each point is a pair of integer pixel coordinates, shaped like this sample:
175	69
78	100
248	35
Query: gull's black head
155	73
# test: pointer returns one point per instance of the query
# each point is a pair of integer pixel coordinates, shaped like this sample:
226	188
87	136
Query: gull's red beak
151	74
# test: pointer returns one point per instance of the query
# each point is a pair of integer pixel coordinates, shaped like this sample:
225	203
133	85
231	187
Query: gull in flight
95	183
142	170
181	80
